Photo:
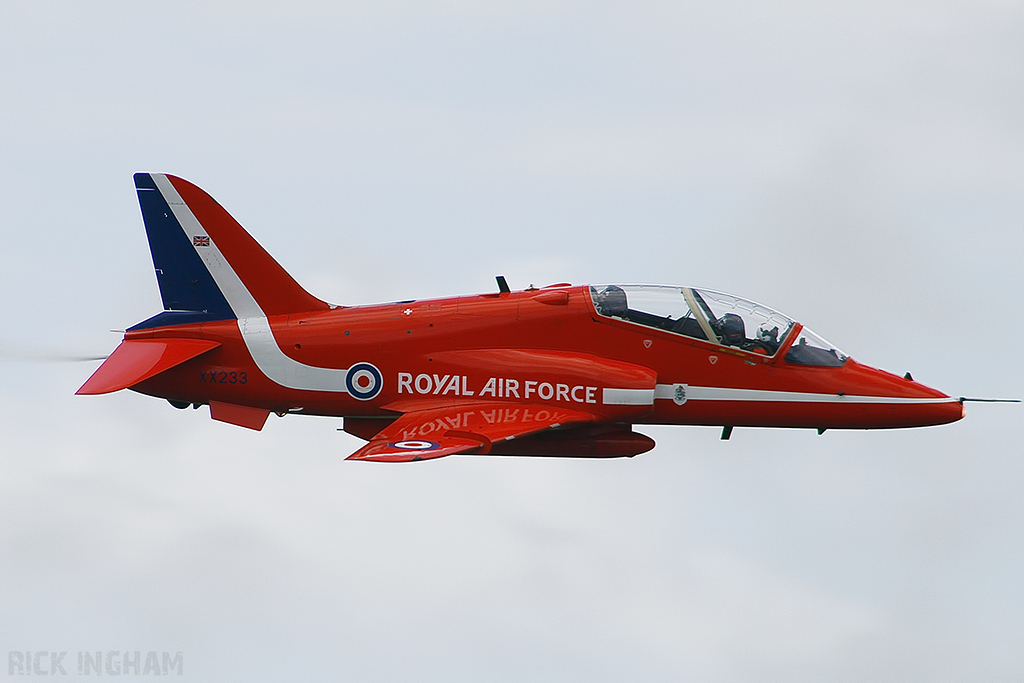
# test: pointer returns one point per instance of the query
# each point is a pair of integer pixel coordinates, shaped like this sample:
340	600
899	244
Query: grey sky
858	166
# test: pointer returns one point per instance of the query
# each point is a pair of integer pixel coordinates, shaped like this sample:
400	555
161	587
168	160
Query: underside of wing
437	432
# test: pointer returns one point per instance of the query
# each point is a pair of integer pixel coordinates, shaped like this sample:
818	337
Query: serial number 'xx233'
223	377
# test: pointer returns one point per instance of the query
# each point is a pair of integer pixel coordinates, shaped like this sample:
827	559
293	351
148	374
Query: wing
437	432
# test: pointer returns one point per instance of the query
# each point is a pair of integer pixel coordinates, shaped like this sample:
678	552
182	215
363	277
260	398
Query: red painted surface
243	416
449	369
514	337
256	268
136	361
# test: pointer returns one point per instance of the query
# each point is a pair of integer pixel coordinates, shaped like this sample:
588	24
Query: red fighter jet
559	371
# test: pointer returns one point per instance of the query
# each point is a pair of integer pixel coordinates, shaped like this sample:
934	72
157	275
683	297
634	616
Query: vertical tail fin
206	263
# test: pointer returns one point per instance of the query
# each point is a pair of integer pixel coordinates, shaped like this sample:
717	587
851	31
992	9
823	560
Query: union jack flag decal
201	241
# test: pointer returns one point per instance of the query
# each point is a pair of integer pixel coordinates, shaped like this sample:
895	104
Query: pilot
731	330
768	340
612	301
768	336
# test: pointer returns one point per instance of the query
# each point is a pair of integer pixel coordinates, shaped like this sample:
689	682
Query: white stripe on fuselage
252	322
725	394
627	397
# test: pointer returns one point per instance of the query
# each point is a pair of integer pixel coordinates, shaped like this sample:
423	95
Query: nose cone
942	411
902	402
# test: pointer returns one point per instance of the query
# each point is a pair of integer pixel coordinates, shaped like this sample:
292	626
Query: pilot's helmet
731	329
613	301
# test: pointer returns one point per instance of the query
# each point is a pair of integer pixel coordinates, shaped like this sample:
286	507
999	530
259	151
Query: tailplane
207	266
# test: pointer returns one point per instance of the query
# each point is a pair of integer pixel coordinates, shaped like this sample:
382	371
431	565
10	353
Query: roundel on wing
364	381
415	445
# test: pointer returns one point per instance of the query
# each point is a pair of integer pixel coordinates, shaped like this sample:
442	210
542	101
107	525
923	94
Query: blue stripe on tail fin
188	290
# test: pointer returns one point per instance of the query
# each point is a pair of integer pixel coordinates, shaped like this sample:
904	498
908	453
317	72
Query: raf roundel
415	445
363	381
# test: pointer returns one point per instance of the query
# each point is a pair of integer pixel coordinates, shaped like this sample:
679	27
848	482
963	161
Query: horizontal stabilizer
137	360
434	433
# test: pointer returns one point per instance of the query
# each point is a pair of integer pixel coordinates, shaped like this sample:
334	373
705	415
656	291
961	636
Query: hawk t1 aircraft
558	371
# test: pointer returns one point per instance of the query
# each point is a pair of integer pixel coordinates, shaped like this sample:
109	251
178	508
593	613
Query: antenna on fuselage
502	285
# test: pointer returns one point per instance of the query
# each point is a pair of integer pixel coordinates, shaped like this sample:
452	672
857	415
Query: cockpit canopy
720	318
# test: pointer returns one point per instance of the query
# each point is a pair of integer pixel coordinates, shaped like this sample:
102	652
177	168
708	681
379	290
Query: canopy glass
720	318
